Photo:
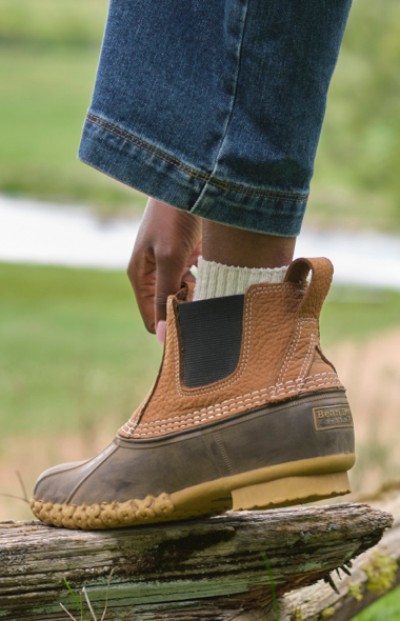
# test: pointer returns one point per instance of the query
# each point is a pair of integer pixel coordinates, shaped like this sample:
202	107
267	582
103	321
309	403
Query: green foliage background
48	57
359	156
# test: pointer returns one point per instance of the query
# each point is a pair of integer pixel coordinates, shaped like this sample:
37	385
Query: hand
167	245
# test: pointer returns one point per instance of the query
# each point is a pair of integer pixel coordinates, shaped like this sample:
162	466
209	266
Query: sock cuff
216	280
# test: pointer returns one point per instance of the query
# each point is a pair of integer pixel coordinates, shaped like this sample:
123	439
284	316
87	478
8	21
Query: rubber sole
265	488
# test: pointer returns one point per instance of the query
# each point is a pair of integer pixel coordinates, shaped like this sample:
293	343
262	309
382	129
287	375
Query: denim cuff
141	165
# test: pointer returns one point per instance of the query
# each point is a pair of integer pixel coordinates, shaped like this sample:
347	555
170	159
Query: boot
246	413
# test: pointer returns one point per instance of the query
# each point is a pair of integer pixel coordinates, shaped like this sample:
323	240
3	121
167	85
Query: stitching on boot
292	348
231	406
308	358
289	354
235	405
224	455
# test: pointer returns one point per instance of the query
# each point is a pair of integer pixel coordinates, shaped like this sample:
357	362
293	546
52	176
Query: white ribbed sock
216	280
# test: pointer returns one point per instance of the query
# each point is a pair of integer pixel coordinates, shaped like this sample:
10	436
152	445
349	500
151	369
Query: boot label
332	417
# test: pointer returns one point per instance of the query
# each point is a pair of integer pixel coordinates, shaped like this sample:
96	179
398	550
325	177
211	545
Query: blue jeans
216	106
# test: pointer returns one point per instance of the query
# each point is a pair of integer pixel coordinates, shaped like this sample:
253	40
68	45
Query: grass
385	609
73	353
49	54
49	23
40	123
356	183
79	600
356	313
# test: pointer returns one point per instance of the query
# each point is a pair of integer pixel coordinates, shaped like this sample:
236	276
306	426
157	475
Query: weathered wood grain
357	590
228	567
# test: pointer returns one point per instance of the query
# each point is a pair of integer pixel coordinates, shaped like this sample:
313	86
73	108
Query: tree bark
231	567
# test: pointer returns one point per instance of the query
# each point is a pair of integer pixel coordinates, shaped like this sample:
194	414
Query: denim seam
232	92
234	89
139	142
122	133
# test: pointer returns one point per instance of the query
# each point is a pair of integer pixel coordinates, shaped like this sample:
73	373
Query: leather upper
280	357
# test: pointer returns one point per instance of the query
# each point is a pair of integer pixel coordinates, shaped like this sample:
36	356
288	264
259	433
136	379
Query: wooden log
373	574
223	568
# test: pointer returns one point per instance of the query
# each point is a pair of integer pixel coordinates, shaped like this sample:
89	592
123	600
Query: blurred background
74	358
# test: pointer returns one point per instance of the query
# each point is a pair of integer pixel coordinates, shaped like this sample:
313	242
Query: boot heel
290	491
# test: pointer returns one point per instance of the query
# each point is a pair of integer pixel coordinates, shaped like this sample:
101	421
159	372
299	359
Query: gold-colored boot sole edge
265	488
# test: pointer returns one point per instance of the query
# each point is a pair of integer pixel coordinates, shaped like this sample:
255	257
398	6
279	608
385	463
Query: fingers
142	275
168	282
167	245
171	270
154	278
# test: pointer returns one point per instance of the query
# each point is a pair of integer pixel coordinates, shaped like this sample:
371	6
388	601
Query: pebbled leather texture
280	358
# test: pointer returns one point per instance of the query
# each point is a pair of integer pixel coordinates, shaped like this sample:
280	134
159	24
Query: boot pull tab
185	293
317	289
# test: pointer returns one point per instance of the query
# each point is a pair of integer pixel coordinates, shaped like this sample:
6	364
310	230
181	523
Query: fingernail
160	332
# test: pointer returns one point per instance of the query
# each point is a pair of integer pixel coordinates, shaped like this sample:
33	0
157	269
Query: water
34	232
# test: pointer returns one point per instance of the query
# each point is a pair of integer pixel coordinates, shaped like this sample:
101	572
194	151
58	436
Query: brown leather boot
246	413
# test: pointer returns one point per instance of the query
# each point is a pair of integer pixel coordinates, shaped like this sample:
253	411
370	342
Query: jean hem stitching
192	172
